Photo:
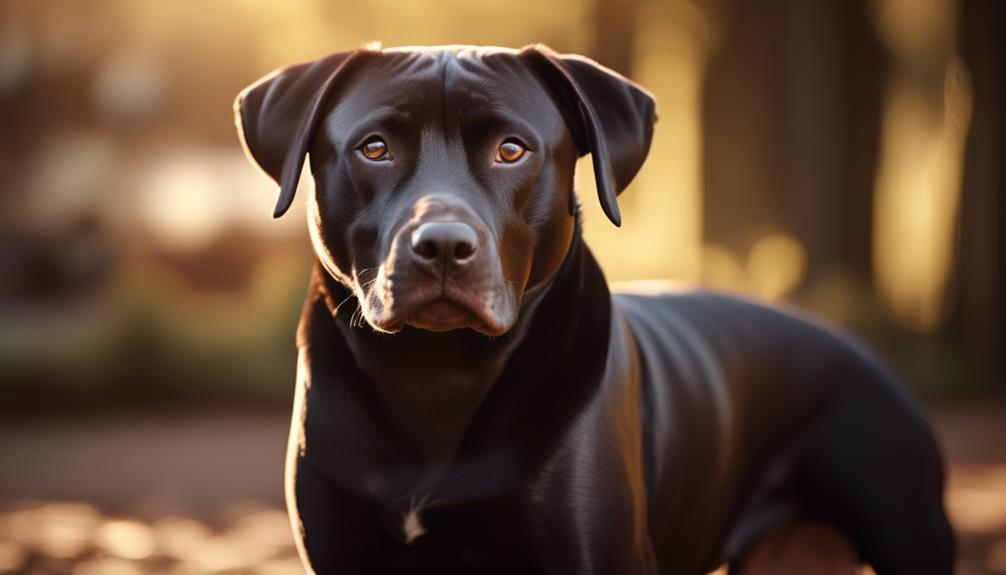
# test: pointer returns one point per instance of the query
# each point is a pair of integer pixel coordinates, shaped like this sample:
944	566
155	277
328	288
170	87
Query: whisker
360	273
347	298
356	321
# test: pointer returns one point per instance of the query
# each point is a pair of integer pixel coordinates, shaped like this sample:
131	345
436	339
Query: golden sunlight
776	265
126	538
179	203
918	183
663	210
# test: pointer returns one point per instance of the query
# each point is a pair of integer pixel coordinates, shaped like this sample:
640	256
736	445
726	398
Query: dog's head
444	176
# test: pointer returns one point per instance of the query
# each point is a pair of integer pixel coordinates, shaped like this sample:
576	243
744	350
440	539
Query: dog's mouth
443	314
438	310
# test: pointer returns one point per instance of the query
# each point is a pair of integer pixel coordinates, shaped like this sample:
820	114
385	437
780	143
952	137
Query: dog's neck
430	385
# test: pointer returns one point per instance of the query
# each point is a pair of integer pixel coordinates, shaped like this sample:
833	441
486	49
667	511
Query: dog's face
444	176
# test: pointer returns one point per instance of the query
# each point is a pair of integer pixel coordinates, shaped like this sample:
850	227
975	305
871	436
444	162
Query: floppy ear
276	117
610	117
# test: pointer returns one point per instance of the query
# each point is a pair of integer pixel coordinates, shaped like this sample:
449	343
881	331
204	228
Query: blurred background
842	156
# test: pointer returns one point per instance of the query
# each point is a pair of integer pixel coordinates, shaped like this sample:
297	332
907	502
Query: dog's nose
451	244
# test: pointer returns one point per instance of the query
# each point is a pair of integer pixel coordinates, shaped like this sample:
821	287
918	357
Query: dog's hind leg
803	548
871	466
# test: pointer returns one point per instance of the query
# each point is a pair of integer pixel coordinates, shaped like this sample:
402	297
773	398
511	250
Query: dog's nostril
463	250
426	249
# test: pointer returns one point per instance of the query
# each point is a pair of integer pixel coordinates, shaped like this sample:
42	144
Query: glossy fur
509	414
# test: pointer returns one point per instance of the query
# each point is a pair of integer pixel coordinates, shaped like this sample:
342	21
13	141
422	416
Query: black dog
493	408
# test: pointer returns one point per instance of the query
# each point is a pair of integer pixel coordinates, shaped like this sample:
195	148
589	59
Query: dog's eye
375	149
510	151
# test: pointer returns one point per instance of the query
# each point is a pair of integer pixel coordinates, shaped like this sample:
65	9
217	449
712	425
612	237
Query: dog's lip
442	314
444	310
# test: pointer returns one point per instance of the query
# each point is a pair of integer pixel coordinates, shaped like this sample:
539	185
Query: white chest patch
412	526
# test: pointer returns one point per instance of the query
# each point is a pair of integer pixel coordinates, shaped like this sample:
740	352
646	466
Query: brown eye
509	152
375	149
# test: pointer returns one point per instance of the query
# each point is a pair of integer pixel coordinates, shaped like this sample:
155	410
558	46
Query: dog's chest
404	521
446	537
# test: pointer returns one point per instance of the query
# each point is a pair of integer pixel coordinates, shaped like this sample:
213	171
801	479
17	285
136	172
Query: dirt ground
202	493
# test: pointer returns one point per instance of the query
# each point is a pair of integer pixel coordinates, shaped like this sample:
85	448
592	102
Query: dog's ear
276	117
610	117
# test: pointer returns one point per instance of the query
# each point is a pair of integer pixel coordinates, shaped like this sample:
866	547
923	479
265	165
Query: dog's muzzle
442	273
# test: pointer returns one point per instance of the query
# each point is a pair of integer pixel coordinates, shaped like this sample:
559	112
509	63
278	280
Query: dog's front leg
590	528
336	531
588	505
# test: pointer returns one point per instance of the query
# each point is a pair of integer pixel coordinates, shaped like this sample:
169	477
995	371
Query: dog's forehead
406	76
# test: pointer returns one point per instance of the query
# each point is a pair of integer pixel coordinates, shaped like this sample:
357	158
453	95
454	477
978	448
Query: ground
202	493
